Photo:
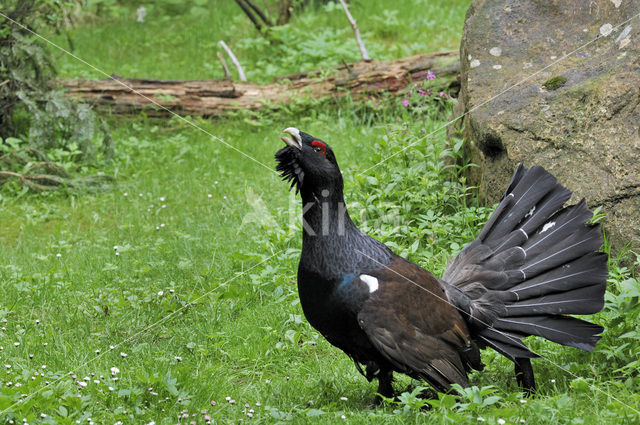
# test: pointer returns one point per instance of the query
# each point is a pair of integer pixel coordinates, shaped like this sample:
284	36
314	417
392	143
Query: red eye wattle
318	146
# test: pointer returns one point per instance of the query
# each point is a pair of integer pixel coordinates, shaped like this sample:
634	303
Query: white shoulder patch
548	226
371	282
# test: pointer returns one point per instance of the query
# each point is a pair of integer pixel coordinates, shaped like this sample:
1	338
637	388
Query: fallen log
217	97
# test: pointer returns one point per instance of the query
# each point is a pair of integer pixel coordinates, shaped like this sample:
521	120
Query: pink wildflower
405	102
431	75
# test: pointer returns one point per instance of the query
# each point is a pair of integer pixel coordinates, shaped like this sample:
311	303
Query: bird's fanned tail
533	263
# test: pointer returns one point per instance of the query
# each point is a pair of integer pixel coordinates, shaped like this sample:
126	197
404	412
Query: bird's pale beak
296	142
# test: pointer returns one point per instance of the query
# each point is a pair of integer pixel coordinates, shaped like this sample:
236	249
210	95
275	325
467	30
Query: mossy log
217	97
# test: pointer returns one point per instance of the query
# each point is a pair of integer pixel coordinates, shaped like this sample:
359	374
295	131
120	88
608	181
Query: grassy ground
197	299
184	46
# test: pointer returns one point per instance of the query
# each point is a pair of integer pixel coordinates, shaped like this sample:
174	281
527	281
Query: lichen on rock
554	83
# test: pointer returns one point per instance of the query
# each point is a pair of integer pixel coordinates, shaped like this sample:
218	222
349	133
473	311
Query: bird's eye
318	146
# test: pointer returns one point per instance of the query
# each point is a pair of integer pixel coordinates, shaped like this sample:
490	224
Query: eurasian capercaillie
533	264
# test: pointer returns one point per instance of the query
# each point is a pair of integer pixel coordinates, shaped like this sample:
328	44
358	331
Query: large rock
575	107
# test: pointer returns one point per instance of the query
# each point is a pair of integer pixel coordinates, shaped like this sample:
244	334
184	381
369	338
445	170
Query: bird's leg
385	389
524	375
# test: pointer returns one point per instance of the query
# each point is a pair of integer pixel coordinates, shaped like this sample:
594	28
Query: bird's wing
409	320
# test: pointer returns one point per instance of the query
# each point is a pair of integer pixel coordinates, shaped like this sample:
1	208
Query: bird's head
308	162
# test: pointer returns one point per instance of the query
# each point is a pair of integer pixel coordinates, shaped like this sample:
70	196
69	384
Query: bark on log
216	97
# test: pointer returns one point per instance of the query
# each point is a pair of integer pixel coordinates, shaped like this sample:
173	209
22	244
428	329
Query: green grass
184	46
200	296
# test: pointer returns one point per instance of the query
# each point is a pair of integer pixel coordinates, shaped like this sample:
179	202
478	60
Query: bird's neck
324	214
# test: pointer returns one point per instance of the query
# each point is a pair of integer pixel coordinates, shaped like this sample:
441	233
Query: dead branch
356	31
39	182
234	60
48	168
262	16
218	97
247	11
227	74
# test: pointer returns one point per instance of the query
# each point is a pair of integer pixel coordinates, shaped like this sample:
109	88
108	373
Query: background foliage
44	137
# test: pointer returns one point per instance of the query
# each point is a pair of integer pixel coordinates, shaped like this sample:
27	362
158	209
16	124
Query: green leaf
315	412
63	411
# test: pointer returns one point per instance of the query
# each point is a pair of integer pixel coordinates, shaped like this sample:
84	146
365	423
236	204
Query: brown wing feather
410	322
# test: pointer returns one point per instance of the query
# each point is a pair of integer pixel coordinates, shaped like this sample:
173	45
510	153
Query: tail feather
567	249
590	269
508	344
533	263
563	330
533	186
585	300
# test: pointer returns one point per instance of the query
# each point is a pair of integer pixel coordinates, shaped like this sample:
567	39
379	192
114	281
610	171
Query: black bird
532	264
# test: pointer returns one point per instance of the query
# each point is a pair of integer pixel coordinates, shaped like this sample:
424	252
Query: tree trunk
216	97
